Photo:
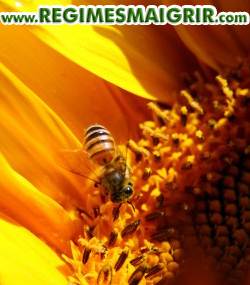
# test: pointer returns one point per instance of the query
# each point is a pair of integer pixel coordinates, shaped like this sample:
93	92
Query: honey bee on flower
115	178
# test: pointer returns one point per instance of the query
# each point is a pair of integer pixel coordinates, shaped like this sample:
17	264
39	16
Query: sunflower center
191	173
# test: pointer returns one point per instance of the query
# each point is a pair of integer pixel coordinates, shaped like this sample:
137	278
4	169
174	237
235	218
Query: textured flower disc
191	175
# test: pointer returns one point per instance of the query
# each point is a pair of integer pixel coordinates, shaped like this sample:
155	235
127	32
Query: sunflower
182	96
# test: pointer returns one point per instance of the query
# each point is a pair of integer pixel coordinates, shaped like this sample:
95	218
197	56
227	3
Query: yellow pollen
138	149
156	192
242	92
161	114
199	134
191	102
221	123
184	110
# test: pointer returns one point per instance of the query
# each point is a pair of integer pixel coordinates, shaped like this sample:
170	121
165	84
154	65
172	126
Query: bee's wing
77	162
121	151
120	162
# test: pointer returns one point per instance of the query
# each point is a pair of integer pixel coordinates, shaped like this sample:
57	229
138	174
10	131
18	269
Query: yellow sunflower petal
35	210
32	137
138	59
25	259
77	96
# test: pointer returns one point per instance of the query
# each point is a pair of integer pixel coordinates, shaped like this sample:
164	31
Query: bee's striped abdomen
99	144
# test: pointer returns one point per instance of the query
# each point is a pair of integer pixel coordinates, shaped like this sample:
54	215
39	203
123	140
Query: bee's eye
130	184
128	190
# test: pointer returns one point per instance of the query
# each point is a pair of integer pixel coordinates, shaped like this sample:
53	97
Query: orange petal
77	96
35	210
32	137
137	59
25	259
146	61
217	46
241	34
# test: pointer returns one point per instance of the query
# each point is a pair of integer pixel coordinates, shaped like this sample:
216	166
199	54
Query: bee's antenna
116	212
132	205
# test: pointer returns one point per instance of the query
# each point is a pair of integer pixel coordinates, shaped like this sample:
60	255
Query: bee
102	150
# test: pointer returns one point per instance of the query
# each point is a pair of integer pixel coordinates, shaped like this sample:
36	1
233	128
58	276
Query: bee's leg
104	198
116	212
97	184
83	213
104	194
132	205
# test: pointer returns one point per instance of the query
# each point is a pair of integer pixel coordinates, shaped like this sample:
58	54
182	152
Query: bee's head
124	194
127	190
